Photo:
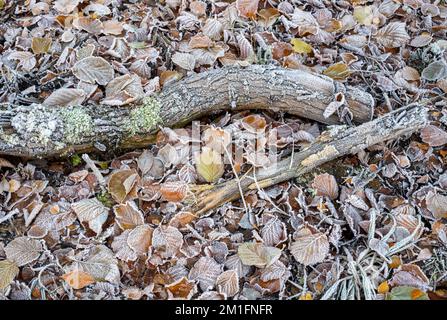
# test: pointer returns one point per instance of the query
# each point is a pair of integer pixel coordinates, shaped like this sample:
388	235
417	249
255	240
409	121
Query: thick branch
332	144
42	131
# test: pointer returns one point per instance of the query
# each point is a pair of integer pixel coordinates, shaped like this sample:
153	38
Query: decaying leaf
228	283
65	97
393	35
168	240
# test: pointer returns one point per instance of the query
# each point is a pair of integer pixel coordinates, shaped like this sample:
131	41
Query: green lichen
144	118
77	124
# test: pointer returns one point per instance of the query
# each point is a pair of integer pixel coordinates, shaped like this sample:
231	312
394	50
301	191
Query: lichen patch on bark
77	124
145	117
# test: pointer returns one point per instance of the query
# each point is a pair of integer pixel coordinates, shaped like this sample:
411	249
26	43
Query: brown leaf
65	97
122	185
247	8
326	185
41	45
127	215
434	136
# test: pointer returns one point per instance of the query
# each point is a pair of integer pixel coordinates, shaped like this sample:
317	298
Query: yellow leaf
41	45
306	296
338	71
209	165
8	271
299	46
363	15
383	287
78	279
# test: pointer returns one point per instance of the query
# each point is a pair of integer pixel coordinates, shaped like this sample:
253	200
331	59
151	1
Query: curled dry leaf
205	271
209	165
127	215
168	240
93	70
326	185
91	211
228	283
310	247
65	97
78	279
434	136
23	250
257	254
122	185
8	271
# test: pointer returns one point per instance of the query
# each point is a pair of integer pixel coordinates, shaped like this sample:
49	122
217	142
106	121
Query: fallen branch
43	131
337	142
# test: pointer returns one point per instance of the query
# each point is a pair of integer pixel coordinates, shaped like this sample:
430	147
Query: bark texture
337	142
43	131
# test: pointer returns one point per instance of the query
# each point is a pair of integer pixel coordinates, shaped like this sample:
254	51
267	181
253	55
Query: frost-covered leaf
8	271
41	45
127	215
228	283
437	205
101	264
257	254
326	185
123	90
168	240
209	165
66	6
406	293
435	71
274	232
174	191
140	239
78	279
434	136
393	35
23	250
310	248
338	71
91	211
121	247
300	46
65	97
93	70
26	60
184	60
122	185
181	289
247	8
205	271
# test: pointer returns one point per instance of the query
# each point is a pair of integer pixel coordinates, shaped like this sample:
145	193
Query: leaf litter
367	226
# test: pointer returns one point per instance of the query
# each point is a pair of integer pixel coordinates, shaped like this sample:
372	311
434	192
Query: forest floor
117	225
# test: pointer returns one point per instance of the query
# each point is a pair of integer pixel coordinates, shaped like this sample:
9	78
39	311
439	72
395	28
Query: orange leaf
416	293
78	279
383	287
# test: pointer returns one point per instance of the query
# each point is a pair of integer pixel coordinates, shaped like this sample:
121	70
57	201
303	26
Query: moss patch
77	124
144	118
